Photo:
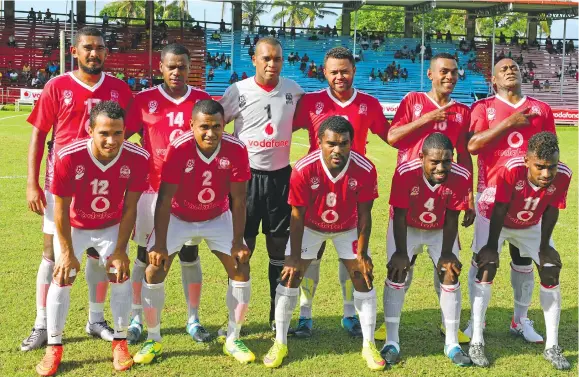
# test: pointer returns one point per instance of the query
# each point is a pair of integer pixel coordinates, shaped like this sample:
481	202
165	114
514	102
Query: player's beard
89	70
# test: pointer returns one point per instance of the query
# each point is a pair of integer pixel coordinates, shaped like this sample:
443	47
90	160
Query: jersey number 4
428	217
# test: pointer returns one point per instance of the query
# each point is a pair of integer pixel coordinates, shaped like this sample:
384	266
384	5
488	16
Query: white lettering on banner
30	94
566	116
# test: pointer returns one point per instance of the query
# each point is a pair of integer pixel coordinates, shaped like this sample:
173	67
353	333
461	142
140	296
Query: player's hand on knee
36	199
292	271
365	268
398	267
449	264
487	255
469	216
240	254
119	264
549	257
159	256
67	265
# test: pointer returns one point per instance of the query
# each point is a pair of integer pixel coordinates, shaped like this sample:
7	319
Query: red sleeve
505	185
126	97
560	198
299	194
240	169
173	168
549	123
45	113
369	190
139	181
403	116
63	181
302	115
478	118
458	200
379	124
133	119
400	197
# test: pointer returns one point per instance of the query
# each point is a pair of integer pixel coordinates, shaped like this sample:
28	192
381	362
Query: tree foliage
380	18
252	10
293	13
136	9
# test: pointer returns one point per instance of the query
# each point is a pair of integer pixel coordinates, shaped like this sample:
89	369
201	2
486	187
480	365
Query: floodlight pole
232	37
422	49
493	57
562	78
355	31
62	38
71	34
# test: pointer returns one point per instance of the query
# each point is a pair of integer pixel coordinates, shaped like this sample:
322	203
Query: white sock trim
392	319
527	269
287	291
153	286
140	263
365	295
240	284
187	264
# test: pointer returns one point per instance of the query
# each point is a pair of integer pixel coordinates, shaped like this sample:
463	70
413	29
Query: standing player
97	184
160	115
63	108
530	190
202	168
502	126
365	113
430	193
332	191
262	108
421	114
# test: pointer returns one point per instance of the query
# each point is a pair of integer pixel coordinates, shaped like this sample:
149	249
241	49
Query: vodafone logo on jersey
515	139
268	130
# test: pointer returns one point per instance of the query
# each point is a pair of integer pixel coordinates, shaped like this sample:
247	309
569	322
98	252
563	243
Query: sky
211	11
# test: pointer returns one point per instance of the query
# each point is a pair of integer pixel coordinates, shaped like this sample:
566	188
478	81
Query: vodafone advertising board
30	94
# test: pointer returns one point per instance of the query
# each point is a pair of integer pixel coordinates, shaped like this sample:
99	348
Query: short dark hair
208	107
109	108
437	141
441	55
336	124
268	40
543	145
175	49
87	31
340	53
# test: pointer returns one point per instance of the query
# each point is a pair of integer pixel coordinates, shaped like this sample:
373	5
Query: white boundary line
14	116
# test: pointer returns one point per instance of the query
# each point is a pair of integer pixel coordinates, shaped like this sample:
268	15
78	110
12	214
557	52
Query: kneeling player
530	191
427	196
97	184
202	168
332	191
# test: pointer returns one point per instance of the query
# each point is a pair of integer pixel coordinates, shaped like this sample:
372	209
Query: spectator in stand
26	72
47	16
412	56
13	77
547	85
372	76
531	74
312	71
335	31
448	36
255	39
31	15
359	57
11	41
281	32
305	58
272	32
233	78
215	36
227	63
570	48
320	72
297	57
39	15
251	51
293	33
531	65
210	74
515	39
303	66
52	70
290	58
536	85
132	83
120	75
524	46
427	52
502	39
222	26
461	73
519	59
246	41
105	19
144	82
365	44
376	44
559	73
404	73
243	75
405	51
163	25
380	75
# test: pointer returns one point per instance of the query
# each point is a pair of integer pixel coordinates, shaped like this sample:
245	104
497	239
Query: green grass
329	353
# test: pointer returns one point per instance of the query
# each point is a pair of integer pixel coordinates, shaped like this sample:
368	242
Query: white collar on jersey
97	162
330	176
535	188
175	101
433	101
516	105
432	188
87	87
338	102
210	159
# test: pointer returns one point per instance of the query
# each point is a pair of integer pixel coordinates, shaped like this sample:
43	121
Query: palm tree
315	9
251	10
295	12
131	8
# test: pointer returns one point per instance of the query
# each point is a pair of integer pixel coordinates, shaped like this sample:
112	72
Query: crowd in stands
26	76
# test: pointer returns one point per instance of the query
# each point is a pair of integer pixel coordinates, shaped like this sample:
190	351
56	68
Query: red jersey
412	107
204	183
331	202
363	111
64	107
427	204
161	119
488	113
527	202
98	190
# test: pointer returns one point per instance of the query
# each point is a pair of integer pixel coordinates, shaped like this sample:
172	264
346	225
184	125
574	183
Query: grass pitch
330	352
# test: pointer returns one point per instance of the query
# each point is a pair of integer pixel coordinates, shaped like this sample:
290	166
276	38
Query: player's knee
447	277
155	274
189	253
550	275
48	247
487	273
396	278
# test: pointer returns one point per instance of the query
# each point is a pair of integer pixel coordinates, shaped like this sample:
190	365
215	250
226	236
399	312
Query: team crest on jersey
289	99
314	183
125	171
352	184
491	113
535	110
67	96
415	191
114	96
519	186
79	172
242	101
458	117
363	109
447	191
551	189
224	163
189	166
319	108
153	105
417	109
